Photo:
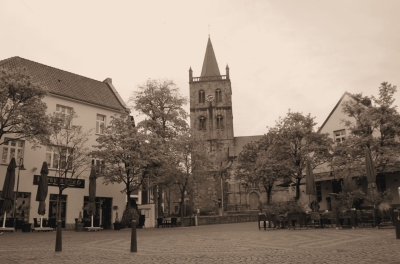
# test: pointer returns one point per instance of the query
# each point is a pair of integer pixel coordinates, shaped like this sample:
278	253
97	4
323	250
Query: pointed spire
210	65
227	72
190	74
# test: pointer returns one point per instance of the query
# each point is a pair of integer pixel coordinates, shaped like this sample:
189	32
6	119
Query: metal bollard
59	237
133	237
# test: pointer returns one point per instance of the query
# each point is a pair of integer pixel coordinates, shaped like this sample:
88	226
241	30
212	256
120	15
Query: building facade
327	181
94	103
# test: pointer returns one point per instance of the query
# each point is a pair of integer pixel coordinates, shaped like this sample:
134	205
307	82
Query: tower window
202	123
219	122
218	96
202	97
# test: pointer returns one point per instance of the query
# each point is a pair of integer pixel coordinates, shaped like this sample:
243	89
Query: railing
209	78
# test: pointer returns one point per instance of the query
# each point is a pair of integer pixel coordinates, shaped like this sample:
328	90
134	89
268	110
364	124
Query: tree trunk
159	202
182	208
298	188
268	189
59	208
128	196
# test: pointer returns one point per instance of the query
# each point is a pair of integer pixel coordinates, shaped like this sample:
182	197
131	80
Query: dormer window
202	97
219	122
202	123
218	96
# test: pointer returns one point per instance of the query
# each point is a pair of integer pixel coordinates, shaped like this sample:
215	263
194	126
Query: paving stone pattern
225	243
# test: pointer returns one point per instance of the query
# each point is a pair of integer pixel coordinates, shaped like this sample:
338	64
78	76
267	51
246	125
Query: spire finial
208	30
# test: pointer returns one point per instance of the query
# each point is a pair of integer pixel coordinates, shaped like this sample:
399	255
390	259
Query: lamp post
20	167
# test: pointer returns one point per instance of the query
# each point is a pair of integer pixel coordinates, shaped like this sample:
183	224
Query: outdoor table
167	221
347	218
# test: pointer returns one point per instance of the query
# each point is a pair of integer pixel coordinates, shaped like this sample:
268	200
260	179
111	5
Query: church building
211	113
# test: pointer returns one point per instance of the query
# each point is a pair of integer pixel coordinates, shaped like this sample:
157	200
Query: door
106	210
254	200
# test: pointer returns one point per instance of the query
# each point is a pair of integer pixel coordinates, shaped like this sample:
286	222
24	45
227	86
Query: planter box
79	227
26	228
117	226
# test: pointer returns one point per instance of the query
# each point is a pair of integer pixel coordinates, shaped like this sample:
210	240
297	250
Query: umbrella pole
41	221
4	220
92	220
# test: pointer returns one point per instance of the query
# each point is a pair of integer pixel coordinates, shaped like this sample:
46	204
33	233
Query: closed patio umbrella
8	189
92	193
42	191
371	175
311	189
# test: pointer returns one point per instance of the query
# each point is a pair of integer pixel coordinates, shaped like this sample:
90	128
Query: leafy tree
295	140
70	153
22	111
190	159
258	164
373	123
161	102
126	152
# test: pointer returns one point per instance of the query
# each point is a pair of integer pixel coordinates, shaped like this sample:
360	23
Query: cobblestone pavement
228	243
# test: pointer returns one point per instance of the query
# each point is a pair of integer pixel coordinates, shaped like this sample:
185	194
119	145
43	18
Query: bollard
59	237
133	237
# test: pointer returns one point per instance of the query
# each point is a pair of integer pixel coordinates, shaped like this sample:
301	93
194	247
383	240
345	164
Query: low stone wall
225	219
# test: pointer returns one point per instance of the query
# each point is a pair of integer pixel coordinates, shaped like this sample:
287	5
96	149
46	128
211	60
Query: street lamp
20	167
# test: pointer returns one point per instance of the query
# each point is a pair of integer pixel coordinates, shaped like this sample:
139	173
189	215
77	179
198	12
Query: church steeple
210	65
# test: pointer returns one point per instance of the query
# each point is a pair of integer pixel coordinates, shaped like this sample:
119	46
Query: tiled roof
68	84
210	65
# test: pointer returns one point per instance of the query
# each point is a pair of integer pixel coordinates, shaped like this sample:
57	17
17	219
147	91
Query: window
202	97
65	114
202	123
12	149
319	191
381	182
100	123
58	157
53	207
219	122
339	136
218	96
99	164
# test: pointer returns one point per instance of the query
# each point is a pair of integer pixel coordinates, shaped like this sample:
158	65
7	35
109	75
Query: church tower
211	105
211	114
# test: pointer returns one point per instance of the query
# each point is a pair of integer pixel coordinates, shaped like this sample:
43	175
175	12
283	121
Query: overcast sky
298	55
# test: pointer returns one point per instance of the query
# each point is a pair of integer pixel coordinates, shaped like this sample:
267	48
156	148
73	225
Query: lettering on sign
55	181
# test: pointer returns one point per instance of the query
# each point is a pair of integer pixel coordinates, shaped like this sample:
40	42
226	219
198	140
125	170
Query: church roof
210	65
239	142
70	85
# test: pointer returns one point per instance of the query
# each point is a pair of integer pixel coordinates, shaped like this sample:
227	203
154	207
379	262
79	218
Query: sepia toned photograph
227	131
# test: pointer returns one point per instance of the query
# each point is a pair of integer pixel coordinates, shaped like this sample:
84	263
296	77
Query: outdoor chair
262	218
385	218
296	219
160	222
35	223
367	218
174	222
52	223
315	220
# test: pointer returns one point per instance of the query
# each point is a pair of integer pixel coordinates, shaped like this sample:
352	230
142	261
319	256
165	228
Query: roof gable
67	84
333	110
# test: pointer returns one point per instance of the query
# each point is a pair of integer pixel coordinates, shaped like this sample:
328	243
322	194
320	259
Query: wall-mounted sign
54	181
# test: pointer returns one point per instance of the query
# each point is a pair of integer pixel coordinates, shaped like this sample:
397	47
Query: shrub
128	215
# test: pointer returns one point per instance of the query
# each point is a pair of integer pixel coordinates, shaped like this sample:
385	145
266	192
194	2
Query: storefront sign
54	181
